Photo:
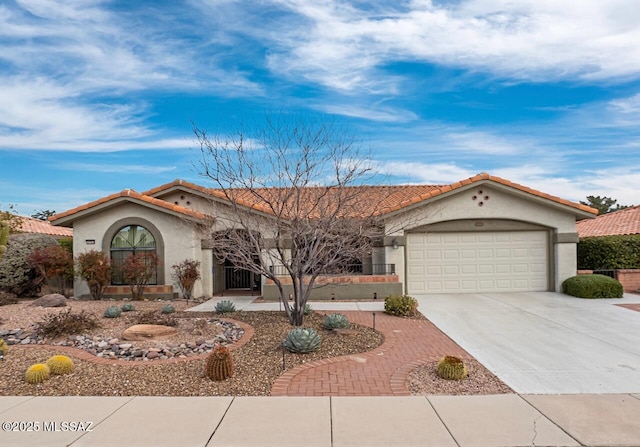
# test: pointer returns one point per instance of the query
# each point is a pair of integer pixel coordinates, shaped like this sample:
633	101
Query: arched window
129	240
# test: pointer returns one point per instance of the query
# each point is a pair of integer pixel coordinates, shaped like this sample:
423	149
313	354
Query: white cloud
336	44
72	67
116	169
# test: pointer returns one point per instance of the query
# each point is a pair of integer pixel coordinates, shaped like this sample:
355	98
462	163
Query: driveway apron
545	342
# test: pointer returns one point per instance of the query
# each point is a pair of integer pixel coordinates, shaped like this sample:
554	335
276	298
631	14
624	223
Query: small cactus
4	348
112	312
60	364
335	321
127	307
302	340
168	309
219	364
451	368
225	306
37	373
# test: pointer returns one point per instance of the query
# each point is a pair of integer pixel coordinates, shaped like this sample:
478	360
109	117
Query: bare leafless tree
296	207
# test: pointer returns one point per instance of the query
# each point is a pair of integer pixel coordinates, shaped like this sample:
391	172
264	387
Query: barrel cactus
452	368
335	321
225	306
4	348
127	307
37	373
112	312
168	309
60	364
302	340
219	364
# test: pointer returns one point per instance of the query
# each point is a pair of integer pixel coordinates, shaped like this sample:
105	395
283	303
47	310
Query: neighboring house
482	234
617	223
31	225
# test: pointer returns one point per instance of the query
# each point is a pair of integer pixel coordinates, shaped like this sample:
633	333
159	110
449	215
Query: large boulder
51	300
147	331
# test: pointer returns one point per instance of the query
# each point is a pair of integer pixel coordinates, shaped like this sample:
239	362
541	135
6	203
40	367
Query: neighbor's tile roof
31	225
129	193
626	221
389	197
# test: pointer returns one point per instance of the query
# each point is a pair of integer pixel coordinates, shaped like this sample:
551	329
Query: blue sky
99	96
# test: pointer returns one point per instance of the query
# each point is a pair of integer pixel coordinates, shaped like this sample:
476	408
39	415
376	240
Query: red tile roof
626	221
31	225
129	193
390	197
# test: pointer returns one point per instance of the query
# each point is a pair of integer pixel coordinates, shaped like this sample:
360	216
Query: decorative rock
147	331
112	349
51	300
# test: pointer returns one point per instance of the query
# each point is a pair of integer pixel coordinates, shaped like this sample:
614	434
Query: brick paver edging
408	343
81	354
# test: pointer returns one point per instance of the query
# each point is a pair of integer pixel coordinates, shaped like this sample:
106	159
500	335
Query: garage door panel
477	262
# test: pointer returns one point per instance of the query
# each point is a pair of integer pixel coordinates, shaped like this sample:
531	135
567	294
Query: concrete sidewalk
246	303
499	420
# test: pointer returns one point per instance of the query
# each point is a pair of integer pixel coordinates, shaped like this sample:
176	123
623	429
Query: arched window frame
116	227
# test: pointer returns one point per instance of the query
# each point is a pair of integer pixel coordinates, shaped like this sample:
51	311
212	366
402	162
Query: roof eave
67	221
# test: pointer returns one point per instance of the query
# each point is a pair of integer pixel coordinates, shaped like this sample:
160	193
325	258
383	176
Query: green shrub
112	312
592	286
609	252
401	305
66	323
17	276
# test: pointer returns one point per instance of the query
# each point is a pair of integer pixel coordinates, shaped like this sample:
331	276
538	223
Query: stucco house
482	234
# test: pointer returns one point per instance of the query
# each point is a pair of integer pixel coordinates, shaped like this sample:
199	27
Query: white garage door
477	262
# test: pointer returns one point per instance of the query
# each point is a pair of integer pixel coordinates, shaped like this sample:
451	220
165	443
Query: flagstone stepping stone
147	331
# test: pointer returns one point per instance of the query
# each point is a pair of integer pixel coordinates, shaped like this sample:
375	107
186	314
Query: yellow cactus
37	373
3	347
60	364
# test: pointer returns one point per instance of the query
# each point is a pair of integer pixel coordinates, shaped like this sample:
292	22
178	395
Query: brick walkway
381	372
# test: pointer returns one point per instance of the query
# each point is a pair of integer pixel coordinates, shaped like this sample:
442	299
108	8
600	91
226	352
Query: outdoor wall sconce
394	242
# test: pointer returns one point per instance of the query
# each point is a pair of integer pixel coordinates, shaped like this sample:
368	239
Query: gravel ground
257	364
425	380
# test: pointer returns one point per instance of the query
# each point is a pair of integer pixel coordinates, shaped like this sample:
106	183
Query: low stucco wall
342	287
629	278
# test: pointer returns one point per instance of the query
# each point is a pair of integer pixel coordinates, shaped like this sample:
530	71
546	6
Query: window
129	240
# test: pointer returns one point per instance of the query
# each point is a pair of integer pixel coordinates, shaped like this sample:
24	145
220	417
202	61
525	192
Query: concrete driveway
544	342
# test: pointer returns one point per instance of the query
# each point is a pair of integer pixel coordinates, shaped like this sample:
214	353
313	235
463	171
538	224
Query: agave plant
225	306
112	312
335	321
302	340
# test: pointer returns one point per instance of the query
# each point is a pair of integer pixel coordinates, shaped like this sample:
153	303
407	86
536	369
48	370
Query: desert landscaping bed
258	360
257	363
